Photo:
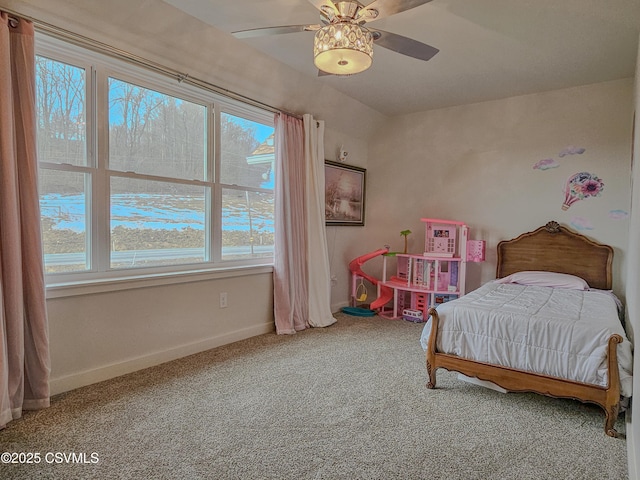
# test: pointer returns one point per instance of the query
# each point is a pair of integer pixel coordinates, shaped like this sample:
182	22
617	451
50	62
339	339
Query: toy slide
355	265
386	294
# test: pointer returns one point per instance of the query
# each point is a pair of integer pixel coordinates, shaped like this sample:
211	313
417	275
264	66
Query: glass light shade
343	49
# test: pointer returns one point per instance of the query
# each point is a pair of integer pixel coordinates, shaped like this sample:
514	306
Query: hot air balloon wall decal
581	186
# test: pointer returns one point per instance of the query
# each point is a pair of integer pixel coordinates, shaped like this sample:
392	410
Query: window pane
60	103
155	134
63	215
156	223
247	152
247	224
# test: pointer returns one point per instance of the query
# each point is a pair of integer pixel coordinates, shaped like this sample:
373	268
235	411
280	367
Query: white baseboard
88	377
336	307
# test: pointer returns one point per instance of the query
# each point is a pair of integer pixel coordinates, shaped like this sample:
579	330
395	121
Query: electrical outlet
223	300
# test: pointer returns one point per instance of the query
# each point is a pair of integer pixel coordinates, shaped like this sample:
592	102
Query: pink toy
476	250
440	237
422	280
386	295
358	290
435	276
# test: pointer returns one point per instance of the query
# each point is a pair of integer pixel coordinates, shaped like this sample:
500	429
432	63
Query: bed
527	333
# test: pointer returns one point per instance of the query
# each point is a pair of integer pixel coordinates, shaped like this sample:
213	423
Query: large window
140	173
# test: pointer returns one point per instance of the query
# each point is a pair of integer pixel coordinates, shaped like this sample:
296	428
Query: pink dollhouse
433	277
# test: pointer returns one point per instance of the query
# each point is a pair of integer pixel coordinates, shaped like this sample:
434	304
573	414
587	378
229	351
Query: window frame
99	67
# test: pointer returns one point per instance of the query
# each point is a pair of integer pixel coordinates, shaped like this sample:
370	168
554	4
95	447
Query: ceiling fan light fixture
343	49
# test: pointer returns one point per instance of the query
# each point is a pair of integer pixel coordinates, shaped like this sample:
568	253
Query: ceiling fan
343	45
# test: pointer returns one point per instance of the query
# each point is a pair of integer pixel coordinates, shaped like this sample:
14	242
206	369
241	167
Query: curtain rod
100	47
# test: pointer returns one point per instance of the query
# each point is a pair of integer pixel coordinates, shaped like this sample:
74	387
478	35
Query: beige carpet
345	402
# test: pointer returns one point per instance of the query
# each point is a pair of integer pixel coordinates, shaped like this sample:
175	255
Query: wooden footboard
520	381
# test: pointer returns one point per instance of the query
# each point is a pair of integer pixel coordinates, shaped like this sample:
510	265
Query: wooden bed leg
612	404
610	421
431	348
432	376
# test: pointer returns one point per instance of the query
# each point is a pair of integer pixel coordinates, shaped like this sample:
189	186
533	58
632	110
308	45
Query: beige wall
102	334
344	242
474	163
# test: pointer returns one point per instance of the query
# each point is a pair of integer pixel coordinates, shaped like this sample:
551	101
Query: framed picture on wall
344	194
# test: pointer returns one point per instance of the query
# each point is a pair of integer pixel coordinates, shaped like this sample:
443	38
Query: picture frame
345	188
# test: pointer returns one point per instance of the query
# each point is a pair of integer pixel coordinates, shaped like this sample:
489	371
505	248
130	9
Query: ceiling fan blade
259	32
404	45
384	8
326	7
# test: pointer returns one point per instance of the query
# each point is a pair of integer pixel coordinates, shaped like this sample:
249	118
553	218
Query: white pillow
546	279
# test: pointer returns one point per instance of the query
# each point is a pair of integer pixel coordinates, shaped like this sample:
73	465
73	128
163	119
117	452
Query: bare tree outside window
160	199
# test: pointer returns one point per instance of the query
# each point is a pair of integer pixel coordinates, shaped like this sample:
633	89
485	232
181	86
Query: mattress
557	332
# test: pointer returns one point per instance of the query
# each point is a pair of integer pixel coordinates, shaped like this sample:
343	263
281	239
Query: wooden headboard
553	248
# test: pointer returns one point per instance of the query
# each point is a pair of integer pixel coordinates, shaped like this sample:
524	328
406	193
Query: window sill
87	287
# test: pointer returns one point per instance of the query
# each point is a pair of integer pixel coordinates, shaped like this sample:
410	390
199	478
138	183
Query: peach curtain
290	274
302	291
24	337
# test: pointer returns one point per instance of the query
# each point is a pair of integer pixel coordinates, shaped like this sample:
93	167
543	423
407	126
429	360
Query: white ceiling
489	49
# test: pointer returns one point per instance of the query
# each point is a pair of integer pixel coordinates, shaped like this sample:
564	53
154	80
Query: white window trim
101	278
130	282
